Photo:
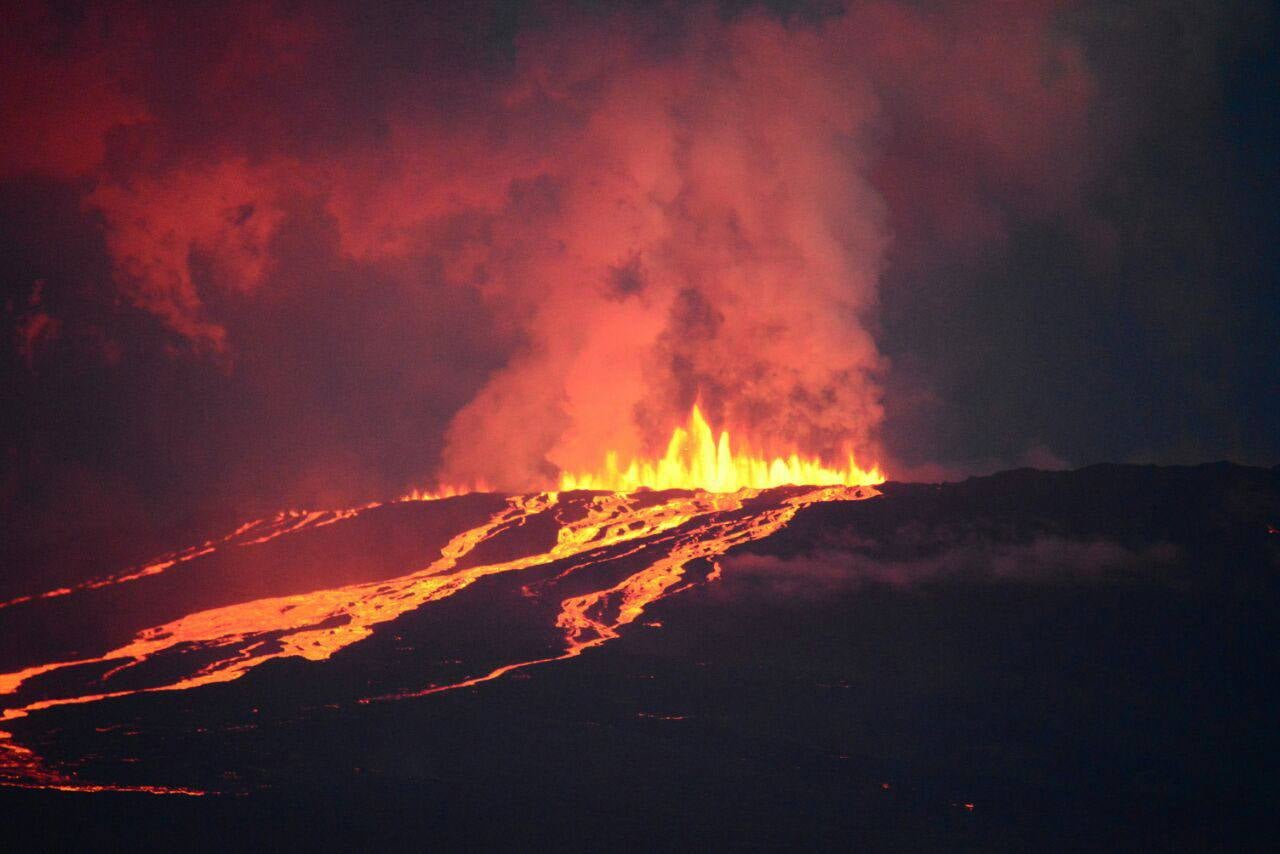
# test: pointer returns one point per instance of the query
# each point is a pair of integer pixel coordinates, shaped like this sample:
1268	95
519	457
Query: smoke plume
552	234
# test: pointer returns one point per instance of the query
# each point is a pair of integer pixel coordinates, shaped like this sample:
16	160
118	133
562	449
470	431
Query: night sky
259	256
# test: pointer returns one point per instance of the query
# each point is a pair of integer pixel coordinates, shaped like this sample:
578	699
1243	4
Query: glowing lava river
559	573
566	572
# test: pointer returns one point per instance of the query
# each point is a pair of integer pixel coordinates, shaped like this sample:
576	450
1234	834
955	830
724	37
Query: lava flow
592	561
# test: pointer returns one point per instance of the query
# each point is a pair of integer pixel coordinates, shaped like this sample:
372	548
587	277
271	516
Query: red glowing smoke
652	206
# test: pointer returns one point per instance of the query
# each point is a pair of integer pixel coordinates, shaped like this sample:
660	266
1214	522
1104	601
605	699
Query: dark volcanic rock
1067	660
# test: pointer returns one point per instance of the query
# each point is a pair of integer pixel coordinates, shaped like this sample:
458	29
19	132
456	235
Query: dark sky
259	256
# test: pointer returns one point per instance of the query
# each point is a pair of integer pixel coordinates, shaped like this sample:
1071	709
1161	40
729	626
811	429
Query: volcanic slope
583	564
1068	660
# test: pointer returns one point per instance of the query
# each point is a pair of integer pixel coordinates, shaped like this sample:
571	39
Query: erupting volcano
604	555
637	307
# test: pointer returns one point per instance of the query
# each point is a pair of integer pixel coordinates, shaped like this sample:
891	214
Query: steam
702	230
652	208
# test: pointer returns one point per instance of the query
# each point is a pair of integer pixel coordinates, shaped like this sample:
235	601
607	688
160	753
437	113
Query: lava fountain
697	459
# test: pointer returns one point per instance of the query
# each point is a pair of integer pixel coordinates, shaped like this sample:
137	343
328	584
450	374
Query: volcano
1068	659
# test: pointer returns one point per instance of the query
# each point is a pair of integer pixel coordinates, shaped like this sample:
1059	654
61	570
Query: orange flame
696	459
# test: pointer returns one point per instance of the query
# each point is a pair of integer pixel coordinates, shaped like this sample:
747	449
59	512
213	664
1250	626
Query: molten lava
697	459
613	554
